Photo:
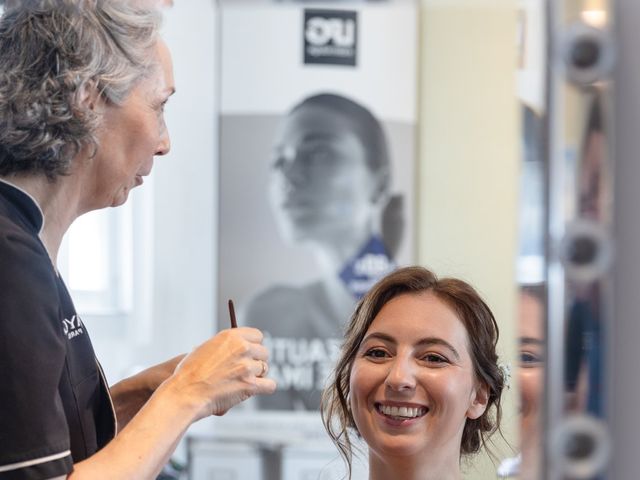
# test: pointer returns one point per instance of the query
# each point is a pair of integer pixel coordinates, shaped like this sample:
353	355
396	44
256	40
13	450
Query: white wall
469	157
185	189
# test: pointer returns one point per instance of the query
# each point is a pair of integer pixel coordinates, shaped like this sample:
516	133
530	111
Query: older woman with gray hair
83	84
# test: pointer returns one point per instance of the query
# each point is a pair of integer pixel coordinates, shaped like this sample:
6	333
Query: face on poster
316	175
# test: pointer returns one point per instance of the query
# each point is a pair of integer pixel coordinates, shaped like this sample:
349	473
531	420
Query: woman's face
531	366
131	134
412	381
320	186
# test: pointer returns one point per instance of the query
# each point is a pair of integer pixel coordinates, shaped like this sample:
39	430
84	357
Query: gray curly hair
50	52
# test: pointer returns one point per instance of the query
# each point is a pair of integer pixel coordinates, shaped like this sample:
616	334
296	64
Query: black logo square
330	37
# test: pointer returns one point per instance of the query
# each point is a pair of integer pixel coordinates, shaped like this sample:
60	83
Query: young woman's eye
376	353
529	359
317	154
434	358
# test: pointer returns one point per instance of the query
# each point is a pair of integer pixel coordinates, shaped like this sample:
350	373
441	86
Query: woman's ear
479	401
380	186
88	95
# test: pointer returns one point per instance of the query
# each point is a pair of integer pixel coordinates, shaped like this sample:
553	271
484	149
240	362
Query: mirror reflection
531	301
579	231
531	343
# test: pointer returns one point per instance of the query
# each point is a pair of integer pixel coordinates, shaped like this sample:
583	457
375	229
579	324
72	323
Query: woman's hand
222	372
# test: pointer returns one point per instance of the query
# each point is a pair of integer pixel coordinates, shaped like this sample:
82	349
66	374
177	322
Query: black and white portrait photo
316	182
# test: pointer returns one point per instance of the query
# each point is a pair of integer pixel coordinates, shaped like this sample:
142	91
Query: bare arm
213	378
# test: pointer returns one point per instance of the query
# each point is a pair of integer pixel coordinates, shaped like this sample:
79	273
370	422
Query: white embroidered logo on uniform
73	327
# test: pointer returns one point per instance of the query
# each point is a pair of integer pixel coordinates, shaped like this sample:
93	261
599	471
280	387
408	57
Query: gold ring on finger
264	369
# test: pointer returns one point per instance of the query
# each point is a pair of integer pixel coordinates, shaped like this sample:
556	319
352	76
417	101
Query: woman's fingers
263	368
249	333
226	370
266	385
260	352
260	386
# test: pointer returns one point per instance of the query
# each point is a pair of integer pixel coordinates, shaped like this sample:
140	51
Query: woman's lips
401	414
299	206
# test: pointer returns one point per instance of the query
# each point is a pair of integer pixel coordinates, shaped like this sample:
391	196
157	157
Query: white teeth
406	412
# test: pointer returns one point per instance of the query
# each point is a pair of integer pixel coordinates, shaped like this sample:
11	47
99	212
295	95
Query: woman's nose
290	167
165	143
401	375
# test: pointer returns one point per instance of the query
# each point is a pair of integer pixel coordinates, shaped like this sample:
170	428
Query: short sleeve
34	437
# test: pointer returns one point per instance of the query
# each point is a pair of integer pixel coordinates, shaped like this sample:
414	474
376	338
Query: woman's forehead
417	315
318	118
318	127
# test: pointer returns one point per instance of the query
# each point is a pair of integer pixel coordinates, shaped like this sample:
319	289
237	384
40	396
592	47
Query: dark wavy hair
482	331
51	51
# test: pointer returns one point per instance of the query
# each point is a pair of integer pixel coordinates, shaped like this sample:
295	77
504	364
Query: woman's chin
396	448
295	232
120	198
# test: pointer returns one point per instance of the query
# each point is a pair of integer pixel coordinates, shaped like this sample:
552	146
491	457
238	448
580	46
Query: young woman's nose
401	375
290	167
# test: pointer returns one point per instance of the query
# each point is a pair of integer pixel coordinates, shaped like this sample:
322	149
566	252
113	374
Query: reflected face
131	134
412	381
320	185
531	369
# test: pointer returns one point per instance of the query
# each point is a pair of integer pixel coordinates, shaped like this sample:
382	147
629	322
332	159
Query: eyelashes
376	353
435	358
431	358
530	359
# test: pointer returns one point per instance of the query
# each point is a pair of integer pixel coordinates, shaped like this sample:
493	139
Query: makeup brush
232	315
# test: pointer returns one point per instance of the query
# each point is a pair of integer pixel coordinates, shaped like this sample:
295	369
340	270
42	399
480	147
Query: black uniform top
55	408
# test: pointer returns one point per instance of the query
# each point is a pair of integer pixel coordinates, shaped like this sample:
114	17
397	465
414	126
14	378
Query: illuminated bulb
595	18
594	13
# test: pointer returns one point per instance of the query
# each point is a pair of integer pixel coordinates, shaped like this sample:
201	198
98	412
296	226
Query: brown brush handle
232	315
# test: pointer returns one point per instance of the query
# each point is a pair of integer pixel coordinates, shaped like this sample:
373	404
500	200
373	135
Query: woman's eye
434	358
162	106
529	359
316	156
376	353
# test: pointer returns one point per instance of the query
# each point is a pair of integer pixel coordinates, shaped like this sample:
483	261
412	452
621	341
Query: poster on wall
317	140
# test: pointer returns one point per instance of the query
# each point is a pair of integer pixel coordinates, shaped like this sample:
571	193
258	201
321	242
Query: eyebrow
531	340
422	342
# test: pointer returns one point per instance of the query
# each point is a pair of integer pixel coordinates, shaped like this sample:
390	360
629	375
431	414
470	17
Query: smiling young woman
417	378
